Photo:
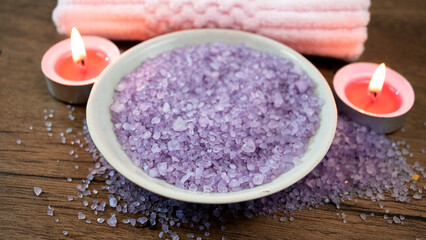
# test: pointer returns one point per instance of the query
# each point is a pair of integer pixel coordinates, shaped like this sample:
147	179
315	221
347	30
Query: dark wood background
396	36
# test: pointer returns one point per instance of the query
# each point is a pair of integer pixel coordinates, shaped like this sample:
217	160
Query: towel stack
330	28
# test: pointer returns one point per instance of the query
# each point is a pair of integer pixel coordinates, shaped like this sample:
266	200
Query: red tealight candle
373	95
68	69
72	66
389	100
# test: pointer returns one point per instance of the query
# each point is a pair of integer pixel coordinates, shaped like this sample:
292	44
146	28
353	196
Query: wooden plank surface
397	36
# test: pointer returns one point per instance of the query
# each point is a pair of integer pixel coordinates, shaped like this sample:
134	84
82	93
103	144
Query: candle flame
377	80
77	47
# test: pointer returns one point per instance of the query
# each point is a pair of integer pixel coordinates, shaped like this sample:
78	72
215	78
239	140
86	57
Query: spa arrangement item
375	96
73	65
331	28
146	77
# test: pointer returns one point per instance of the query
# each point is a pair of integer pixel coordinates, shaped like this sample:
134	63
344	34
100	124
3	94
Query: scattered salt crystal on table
363	216
396	219
37	191
65	233
417	196
112	221
18	141
50	210
81	216
142	220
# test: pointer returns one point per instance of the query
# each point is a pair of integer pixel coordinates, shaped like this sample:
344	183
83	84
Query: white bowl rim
104	138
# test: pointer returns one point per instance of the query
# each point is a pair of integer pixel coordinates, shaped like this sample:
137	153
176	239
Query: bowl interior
101	127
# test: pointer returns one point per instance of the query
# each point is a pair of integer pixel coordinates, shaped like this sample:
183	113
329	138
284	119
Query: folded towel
331	28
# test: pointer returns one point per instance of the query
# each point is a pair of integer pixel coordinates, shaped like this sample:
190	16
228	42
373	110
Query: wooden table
397	36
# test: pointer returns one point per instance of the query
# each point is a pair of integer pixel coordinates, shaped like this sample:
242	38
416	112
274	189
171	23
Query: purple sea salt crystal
50	210
258	179
18	141
249	146
396	220
417	196
179	125
112	201
81	216
142	220
37	191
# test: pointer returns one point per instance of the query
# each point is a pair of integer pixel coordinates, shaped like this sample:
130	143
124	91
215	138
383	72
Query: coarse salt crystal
37	191
81	216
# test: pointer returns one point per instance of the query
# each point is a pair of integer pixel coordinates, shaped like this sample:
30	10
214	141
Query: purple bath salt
81	216
215	117
112	221
37	191
359	163
50	210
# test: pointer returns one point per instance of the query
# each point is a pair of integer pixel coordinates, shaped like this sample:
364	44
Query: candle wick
373	95
82	62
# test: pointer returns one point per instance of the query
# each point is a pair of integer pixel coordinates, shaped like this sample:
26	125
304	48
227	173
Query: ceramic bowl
101	127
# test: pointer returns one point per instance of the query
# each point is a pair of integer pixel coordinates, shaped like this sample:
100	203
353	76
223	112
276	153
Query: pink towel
330	28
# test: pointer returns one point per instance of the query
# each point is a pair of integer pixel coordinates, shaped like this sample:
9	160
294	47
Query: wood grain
396	36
